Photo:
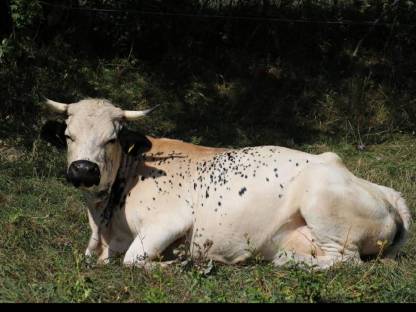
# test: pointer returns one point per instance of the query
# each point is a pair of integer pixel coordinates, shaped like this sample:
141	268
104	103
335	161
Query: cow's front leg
94	246
153	239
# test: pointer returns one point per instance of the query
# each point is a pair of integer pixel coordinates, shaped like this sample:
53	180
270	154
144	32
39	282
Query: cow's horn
56	106
133	115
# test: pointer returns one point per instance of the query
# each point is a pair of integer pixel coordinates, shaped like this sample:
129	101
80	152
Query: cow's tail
403	211
403	219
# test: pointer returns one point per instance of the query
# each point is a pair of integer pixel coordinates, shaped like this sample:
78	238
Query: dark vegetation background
228	73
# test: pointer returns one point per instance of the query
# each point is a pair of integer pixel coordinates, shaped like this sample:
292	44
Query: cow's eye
112	141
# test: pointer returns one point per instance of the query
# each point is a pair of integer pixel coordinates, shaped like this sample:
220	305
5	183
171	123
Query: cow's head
95	137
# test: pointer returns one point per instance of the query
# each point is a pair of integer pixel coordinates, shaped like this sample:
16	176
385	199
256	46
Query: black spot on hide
242	191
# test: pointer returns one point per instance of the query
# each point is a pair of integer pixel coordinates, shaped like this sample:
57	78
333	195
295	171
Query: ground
44	232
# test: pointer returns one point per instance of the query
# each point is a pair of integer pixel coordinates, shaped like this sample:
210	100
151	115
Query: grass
44	232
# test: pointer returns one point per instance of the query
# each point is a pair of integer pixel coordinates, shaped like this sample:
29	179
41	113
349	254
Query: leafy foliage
222	81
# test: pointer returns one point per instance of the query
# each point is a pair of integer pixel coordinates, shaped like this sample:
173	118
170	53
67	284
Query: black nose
84	172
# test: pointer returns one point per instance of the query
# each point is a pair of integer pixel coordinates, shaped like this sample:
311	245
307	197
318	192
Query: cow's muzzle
83	173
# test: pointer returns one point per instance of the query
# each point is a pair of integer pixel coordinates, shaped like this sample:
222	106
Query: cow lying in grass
146	193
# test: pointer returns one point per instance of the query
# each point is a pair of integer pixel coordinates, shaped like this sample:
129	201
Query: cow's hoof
134	264
88	254
103	261
148	265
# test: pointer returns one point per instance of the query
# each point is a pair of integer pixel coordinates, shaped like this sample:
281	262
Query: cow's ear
54	132
134	143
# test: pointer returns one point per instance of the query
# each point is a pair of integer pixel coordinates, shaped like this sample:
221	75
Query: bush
222	81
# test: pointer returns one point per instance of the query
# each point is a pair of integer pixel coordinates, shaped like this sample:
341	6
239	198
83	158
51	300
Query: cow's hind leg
300	247
284	257
334	210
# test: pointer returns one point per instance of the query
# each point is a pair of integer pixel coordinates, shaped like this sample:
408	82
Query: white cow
283	204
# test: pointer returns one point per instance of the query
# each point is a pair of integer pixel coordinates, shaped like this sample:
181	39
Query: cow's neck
106	203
